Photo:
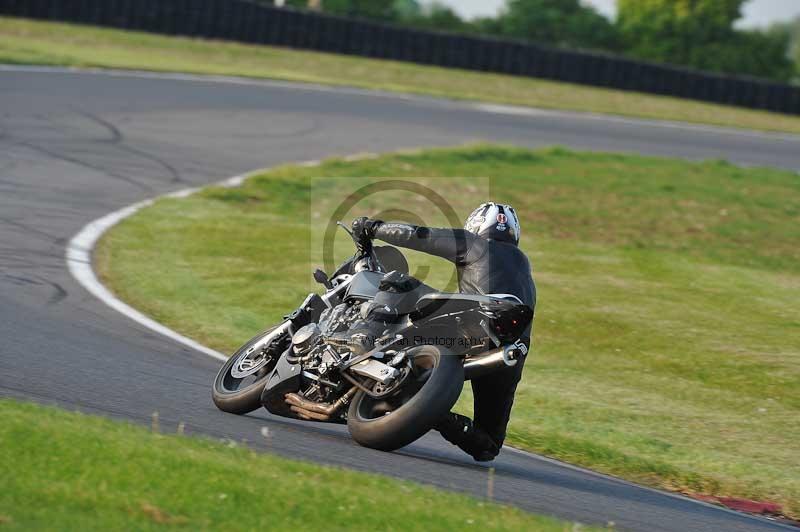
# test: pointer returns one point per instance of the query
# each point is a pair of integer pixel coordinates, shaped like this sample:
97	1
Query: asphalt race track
76	146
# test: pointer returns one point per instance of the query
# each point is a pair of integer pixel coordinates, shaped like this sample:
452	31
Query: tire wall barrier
248	22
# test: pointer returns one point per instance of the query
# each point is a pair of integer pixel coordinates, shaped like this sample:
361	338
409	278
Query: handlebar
347	229
373	262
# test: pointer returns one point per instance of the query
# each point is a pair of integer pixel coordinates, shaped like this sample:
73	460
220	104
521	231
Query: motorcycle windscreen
364	285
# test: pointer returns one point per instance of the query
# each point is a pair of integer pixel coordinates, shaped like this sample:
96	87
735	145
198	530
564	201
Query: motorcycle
378	350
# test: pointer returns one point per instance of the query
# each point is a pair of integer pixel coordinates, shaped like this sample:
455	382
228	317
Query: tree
791	31
794	47
410	12
671	30
437	16
382	10
441	17
558	22
487	25
407	9
701	34
372	9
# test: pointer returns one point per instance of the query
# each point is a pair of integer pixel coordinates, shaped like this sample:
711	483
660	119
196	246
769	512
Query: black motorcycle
379	350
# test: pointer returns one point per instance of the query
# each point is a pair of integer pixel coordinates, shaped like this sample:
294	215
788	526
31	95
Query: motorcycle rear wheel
241	395
391	423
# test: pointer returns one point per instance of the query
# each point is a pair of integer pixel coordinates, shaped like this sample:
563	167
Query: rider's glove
364	232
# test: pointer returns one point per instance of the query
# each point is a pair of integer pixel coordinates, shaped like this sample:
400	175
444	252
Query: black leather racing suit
484	266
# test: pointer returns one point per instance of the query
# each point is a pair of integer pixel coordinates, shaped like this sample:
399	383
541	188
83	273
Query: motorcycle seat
397	296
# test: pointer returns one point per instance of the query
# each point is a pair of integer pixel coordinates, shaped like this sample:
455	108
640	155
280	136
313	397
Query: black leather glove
364	232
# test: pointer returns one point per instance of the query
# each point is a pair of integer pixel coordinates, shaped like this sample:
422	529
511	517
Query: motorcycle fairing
285	378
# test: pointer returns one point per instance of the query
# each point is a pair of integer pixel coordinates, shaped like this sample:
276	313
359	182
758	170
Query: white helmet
496	221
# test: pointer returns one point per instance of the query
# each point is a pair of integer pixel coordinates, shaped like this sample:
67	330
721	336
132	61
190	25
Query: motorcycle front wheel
240	381
427	395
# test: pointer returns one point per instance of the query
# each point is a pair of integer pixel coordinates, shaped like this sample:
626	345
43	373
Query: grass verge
47	43
666	347
79	472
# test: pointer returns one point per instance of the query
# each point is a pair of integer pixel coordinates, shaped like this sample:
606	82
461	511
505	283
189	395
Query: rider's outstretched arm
456	245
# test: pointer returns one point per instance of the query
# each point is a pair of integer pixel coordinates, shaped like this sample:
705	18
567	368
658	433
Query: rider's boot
462	432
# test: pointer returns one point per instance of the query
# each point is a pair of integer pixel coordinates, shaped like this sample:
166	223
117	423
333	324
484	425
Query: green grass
667	340
69	471
30	42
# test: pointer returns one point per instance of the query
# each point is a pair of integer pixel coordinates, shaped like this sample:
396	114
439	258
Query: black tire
227	393
415	416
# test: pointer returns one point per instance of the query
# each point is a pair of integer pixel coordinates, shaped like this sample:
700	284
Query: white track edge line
79	262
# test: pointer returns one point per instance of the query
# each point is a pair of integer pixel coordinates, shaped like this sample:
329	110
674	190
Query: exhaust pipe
503	357
314	411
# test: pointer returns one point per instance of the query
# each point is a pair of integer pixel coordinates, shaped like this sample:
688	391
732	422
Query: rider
488	261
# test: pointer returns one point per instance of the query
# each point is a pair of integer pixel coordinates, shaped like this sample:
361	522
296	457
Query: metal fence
249	22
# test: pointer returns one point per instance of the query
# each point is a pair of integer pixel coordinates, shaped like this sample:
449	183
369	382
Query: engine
318	356
319	349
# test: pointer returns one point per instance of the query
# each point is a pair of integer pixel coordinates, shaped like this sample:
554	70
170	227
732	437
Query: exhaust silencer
502	357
